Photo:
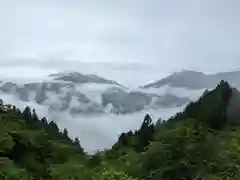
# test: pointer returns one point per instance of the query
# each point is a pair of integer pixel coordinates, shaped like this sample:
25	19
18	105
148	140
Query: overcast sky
167	35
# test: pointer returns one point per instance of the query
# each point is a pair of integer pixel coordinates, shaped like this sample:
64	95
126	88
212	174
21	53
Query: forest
200	143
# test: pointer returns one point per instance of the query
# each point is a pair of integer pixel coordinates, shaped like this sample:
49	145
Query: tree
44	120
54	128
70	170
1	102
76	141
35	116
1	105
65	133
147	119
111	174
14	109
27	115
145	133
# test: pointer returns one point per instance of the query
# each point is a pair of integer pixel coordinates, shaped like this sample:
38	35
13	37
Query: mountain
175	149
79	78
233	109
196	80
128	102
88	94
201	142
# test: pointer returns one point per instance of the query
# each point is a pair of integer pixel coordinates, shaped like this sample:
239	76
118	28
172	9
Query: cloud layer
96	132
172	34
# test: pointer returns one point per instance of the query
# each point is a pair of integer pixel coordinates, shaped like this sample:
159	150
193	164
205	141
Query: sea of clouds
96	132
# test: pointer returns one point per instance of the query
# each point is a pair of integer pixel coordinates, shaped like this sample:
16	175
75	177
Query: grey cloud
98	132
171	34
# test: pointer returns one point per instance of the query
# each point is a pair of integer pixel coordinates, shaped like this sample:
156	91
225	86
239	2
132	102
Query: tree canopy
200	143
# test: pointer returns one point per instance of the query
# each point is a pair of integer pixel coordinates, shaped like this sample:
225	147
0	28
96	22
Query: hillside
196	80
79	78
35	149
202	142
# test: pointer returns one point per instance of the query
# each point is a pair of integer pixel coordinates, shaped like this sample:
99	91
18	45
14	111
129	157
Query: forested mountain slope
35	149
202	142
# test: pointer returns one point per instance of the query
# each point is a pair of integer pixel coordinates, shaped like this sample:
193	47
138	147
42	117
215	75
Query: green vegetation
200	143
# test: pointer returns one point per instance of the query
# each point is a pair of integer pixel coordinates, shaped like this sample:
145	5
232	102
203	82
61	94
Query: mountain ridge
195	80
88	94
76	77
34	149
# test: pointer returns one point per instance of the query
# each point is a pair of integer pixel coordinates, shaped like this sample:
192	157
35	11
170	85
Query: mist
133	42
96	132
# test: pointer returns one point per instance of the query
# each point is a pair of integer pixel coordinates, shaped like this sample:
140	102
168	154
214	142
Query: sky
145	39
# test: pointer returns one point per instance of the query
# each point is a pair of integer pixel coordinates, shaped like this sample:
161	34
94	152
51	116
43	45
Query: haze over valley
79	101
97	67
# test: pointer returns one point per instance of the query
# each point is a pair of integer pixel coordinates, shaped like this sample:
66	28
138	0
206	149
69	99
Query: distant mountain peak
196	80
79	78
65	73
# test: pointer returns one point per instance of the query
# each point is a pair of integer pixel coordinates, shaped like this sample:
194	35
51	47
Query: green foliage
140	139
70	170
211	108
110	174
9	171
197	144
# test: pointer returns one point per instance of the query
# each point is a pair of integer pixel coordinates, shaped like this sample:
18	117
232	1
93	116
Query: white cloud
95	132
24	73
